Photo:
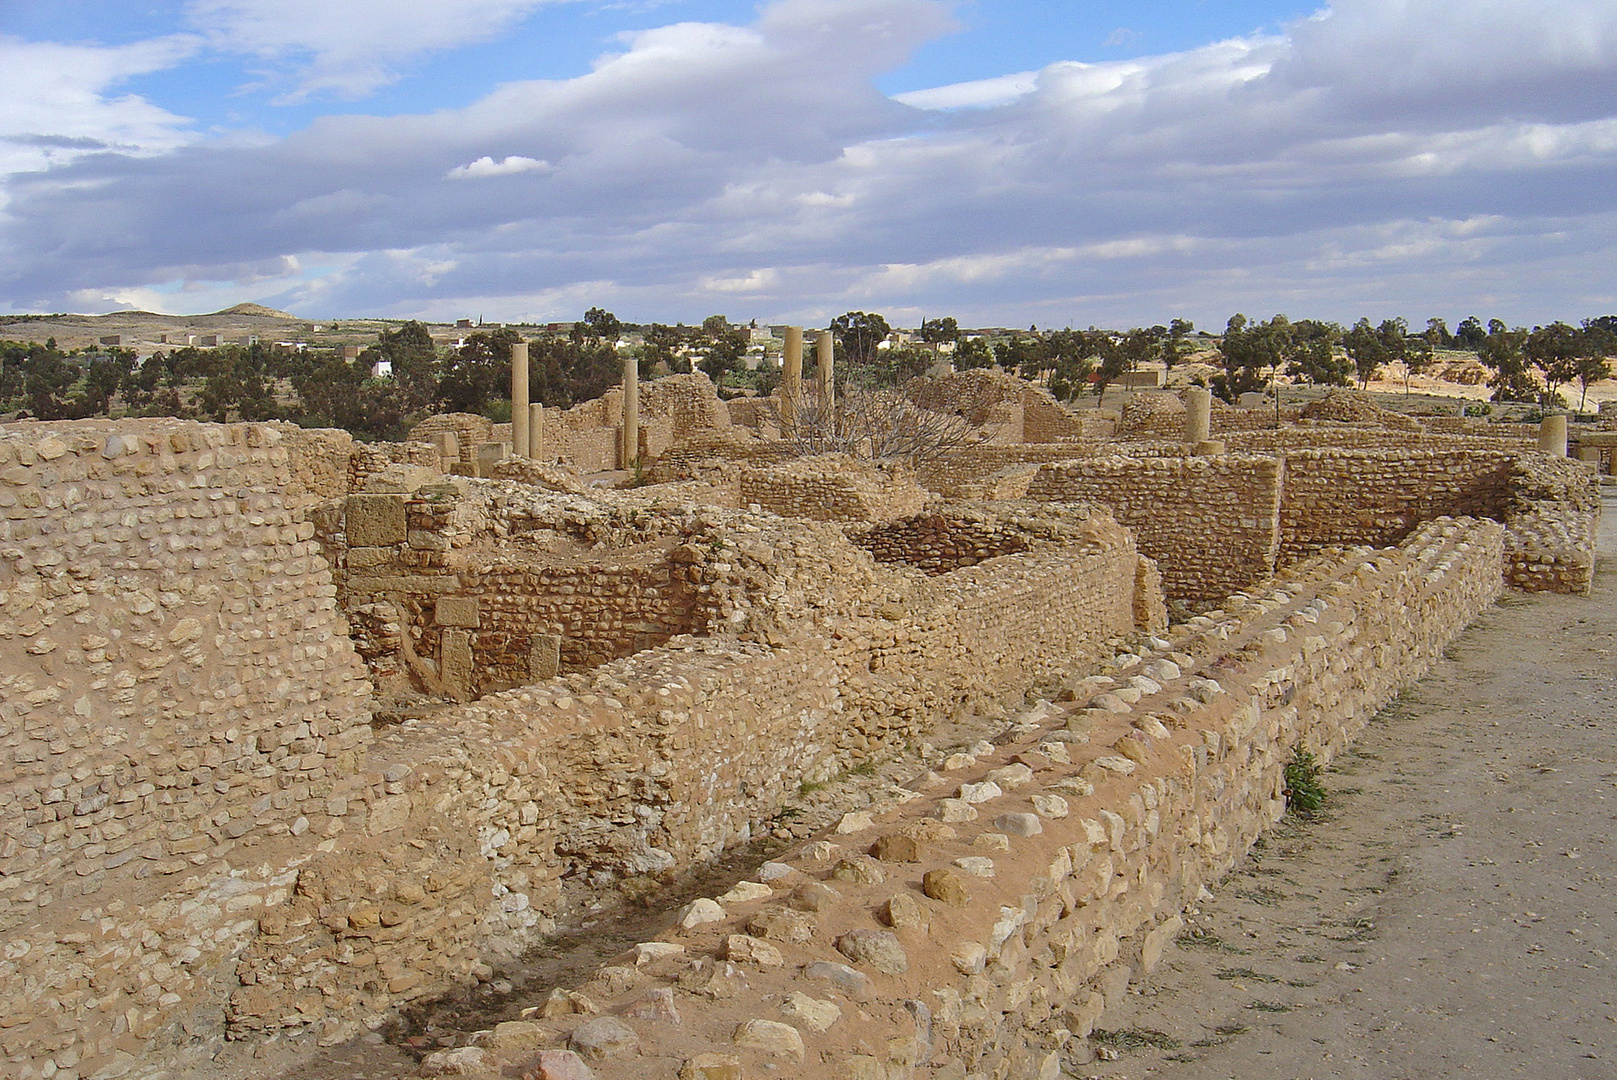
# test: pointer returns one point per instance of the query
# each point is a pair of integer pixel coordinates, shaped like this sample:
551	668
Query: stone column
1198	415
791	374
629	450
825	353
519	399
1552	435
536	430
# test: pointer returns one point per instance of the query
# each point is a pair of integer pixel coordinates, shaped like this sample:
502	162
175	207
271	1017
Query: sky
1008	163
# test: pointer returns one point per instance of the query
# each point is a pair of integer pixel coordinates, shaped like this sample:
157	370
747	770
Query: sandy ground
1450	914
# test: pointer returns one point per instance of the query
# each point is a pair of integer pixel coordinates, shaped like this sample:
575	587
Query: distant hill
257	311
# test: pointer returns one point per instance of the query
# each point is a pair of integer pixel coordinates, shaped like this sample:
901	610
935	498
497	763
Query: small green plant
1304	795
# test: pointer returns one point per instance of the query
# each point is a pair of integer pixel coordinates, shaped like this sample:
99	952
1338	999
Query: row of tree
322	389
1524	365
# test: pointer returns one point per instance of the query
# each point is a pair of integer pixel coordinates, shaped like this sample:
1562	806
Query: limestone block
455	663
457	611
544	656
375	520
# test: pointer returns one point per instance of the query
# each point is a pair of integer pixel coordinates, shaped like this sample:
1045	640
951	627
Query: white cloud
759	163
349	48
486	166
977	94
59	103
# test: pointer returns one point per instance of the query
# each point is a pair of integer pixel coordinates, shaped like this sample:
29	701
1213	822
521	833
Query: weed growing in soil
1134	1039
1304	795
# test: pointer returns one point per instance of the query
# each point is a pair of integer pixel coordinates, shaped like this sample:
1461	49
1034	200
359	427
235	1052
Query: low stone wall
1346	497
972	926
1552	523
1211	523
180	710
975	472
833	487
478	817
1324	436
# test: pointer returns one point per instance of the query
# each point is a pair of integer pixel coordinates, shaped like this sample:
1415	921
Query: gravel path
1450	914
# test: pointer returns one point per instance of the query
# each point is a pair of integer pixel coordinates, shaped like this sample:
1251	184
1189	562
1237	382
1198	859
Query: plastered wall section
1211	524
180	709
973	924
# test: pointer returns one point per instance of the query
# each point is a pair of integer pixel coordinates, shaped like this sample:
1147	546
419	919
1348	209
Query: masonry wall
833	487
1210	523
972	921
180	708
1378	497
976	472
654	761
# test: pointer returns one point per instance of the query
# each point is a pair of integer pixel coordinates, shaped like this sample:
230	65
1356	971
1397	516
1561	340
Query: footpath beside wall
978	926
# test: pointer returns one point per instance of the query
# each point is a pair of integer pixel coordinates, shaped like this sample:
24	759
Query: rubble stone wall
1211	523
833	487
655	761
974	472
976	922
180	710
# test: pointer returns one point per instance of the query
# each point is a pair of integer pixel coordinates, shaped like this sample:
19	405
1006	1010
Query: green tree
972	353
602	325
1504	352
858	334
1072	357
1311	354
939	332
414	357
1470	334
1367	348
1555	350
722	352
1599	345
1251	354
477	374
1177	346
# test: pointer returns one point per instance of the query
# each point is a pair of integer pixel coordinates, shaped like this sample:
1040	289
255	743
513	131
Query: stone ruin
299	731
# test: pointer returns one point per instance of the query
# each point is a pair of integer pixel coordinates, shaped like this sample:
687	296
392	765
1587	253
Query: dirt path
1452	912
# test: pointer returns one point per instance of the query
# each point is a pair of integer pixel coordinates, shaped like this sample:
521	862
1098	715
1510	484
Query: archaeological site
300	734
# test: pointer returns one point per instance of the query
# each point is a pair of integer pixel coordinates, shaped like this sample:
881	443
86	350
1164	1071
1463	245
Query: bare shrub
878	425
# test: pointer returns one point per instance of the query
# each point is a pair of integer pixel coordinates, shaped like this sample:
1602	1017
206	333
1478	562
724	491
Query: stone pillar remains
629	448
791	374
519	398
1198	415
1552	435
536	430
825	353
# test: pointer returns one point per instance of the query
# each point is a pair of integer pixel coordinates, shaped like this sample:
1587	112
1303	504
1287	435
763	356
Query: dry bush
878	425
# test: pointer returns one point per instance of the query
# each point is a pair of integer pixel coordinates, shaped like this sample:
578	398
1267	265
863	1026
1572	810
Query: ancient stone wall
1211	524
977	923
469	429
1015	410
320	462
668	756
977	472
180	709
834	487
1323	436
1378	497
1552	522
